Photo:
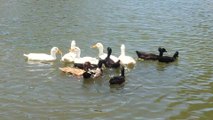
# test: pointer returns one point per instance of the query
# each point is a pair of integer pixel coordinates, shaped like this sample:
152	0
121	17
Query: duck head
161	51
109	51
97	45
55	50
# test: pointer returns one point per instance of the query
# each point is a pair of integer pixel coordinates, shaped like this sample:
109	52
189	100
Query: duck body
81	60
168	59
82	66
101	53
108	62
70	56
113	65
73	71
42	56
118	79
126	60
147	56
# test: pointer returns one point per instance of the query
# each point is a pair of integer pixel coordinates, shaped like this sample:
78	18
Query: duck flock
91	67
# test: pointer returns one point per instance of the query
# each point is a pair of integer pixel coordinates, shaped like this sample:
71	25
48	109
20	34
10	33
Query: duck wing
146	56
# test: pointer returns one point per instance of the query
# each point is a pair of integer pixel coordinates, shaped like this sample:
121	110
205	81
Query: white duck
126	60
42	56
81	60
101	53
69	57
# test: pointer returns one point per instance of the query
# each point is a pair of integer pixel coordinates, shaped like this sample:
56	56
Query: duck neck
101	50
73	44
108	54
100	64
175	55
160	53
53	54
122	71
78	54
122	52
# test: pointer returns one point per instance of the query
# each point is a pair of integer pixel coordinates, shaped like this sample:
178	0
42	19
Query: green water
153	90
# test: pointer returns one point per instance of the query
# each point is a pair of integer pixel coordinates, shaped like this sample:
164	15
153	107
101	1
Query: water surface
153	90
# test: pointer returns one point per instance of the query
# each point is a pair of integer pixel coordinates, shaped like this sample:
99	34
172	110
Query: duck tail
176	54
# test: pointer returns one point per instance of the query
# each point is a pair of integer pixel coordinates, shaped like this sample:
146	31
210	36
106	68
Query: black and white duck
94	72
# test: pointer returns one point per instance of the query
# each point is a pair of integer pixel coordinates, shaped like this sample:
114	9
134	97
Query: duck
118	79
108	62
43	57
70	56
81	60
94	72
149	56
168	59
72	70
77	71
126	60
82	66
101	53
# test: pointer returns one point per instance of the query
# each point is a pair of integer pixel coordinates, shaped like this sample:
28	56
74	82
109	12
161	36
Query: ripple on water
153	90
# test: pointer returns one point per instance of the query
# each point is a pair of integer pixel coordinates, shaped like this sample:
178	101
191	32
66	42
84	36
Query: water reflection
163	66
196	96
39	63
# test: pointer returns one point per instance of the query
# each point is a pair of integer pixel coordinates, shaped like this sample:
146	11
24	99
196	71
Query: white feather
82	60
125	60
69	57
43	56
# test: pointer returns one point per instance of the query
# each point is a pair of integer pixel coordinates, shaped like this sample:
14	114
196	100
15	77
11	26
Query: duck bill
72	49
59	51
94	46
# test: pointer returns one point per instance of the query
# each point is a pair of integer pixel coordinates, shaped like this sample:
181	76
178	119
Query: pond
156	91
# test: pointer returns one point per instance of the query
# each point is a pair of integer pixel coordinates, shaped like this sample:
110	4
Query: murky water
180	90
